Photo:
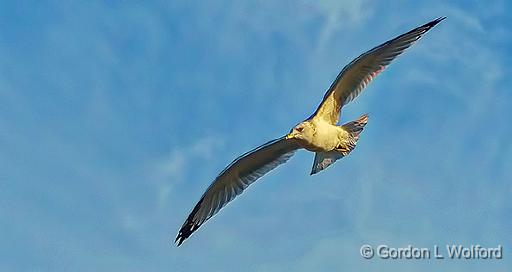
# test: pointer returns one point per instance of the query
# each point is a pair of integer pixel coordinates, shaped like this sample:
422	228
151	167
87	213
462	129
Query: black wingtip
179	240
184	233
435	22
188	228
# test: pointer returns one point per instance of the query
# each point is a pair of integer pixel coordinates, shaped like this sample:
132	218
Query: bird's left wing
233	180
356	75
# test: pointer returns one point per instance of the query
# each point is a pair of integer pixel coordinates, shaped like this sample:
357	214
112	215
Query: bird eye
300	129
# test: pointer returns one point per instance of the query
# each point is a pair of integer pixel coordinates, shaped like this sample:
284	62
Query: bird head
302	131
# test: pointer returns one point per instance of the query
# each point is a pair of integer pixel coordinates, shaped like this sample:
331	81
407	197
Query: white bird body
325	137
319	133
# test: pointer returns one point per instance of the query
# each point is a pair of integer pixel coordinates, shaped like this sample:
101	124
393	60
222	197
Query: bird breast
326	137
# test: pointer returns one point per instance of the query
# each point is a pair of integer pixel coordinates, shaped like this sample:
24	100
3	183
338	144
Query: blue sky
115	116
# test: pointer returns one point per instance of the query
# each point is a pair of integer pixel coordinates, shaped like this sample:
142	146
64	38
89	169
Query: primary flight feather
319	133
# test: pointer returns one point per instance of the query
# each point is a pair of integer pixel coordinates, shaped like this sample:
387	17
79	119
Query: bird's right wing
324	160
356	75
231	182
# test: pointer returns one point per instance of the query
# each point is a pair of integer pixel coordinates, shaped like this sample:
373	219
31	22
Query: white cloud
339	15
180	162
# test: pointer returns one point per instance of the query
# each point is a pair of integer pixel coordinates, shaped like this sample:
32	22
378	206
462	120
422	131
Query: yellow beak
290	136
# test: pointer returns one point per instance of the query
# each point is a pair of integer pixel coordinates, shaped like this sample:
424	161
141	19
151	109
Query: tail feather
356	127
325	159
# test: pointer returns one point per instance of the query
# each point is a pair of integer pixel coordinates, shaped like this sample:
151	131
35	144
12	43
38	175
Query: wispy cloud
339	15
181	161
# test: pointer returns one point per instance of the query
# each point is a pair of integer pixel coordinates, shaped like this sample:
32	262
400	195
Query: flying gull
319	133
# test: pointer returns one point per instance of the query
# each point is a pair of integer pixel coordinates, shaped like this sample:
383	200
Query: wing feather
234	179
354	77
